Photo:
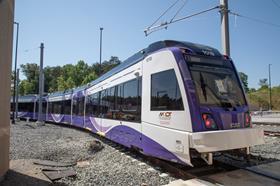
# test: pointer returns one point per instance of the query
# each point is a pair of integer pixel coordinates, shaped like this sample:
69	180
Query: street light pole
269	76
41	84
17	94
100	57
15	74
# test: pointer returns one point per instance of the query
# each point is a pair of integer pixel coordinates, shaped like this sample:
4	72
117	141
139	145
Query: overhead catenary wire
179	10
254	19
152	29
164	13
276	4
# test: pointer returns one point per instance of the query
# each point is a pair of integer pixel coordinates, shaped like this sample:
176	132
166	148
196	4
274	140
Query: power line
276	4
164	13
255	19
179	10
152	29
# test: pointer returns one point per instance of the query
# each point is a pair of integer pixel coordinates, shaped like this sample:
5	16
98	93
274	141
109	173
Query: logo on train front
165	115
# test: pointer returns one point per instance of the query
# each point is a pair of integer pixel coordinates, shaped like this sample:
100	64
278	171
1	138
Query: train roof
26	98
193	48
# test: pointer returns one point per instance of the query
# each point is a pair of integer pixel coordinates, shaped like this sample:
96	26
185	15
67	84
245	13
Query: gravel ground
112	165
271	148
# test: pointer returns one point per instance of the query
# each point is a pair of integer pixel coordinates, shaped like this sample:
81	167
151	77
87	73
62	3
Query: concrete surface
24	172
241	177
191	182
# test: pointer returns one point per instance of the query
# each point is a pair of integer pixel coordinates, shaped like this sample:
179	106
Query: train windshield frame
217	84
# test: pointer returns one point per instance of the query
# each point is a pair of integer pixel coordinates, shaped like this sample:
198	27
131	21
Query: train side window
89	105
78	106
67	107
75	107
103	103
130	101
119	102
96	103
31	107
50	107
109	103
165	91
44	107
92	105
56	107
81	106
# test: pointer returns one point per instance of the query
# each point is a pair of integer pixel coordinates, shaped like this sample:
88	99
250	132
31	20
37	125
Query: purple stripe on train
22	114
197	124
90	122
130	137
59	118
26	115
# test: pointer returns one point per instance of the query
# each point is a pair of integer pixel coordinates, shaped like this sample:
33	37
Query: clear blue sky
70	31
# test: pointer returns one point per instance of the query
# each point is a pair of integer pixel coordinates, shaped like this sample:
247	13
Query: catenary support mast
225	27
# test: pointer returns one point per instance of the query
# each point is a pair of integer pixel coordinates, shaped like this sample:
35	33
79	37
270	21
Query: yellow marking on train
88	128
101	133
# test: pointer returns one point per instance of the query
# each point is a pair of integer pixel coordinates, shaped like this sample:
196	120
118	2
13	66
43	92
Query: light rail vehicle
170	100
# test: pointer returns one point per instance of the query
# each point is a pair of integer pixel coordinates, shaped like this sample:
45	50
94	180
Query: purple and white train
169	100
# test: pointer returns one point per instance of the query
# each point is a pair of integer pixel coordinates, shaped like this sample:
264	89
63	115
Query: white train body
162	104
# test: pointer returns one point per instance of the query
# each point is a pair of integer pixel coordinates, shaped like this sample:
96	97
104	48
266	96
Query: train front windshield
217	85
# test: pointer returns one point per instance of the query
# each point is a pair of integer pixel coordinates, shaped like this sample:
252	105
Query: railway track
201	170
272	133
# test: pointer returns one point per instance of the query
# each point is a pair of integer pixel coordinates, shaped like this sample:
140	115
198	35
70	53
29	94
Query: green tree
244	80
31	72
263	83
61	84
51	76
70	83
26	87
108	65
90	77
81	70
63	77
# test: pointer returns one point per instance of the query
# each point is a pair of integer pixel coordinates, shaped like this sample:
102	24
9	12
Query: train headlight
247	120
209	121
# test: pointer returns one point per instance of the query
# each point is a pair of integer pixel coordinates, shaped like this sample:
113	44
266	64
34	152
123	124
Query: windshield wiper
203	86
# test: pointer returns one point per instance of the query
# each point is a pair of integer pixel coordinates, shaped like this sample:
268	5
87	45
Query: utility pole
17	94
269	77
100	57
225	27
40	119
15	74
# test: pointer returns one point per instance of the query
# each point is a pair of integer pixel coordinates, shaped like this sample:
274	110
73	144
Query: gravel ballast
111	165
271	148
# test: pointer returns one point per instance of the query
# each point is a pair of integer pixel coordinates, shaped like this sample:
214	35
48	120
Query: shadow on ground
18	179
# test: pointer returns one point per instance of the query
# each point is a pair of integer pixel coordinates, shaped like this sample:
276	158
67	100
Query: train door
164	120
